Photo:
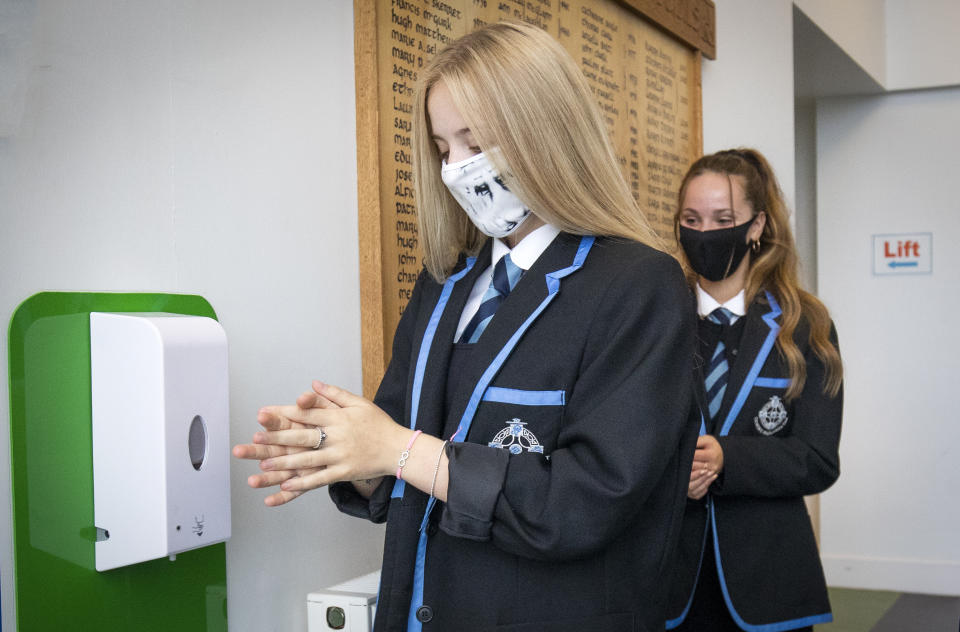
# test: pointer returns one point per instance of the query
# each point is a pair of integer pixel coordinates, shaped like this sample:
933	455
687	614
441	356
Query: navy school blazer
566	499
775	453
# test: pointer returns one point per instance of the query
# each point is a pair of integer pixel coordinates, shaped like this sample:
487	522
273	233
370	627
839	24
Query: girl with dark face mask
771	402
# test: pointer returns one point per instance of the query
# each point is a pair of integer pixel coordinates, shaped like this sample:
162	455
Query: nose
456	154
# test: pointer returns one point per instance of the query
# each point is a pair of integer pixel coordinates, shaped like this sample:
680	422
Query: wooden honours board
647	84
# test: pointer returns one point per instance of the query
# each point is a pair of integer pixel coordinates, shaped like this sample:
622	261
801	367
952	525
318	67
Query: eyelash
692	220
475	149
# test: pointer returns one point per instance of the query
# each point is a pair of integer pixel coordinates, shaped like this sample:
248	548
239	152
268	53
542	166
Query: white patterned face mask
477	187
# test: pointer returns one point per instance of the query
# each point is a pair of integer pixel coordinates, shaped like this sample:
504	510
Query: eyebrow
460	132
690	209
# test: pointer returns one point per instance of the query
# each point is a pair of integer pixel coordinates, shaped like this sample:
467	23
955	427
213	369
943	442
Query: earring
755	246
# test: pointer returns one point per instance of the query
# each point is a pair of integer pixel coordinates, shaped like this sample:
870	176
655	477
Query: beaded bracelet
436	469
406	454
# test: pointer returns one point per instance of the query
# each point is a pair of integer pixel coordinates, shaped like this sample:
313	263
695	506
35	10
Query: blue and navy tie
716	380
505	276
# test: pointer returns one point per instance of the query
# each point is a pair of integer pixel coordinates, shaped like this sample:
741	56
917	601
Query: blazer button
424	614
432	528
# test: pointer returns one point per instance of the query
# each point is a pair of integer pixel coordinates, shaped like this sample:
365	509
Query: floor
884	611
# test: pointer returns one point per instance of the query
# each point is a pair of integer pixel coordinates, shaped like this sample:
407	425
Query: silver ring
323	435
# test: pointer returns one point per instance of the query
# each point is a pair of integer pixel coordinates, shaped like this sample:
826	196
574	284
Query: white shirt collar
525	253
706	303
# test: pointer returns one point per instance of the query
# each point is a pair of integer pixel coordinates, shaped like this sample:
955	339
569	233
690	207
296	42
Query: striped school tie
716	380
505	276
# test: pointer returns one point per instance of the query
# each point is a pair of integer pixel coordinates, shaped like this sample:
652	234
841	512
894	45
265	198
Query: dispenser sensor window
197	442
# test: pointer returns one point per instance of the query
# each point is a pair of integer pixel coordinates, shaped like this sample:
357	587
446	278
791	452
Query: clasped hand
359	444
707	465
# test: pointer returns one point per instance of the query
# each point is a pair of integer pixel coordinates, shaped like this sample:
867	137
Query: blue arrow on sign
902	264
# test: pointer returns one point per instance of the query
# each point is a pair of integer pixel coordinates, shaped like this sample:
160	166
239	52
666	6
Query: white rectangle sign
906	253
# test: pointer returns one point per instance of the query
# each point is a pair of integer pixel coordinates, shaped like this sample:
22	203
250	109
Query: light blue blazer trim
673	623
779	626
525	398
553	286
752	375
425	345
772	382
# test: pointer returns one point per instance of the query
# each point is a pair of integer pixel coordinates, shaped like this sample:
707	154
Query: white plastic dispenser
161	472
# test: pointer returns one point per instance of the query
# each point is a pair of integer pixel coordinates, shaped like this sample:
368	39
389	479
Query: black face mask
715	254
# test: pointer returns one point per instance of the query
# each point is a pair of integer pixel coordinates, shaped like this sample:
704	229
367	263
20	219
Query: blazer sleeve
805	462
392	398
623	423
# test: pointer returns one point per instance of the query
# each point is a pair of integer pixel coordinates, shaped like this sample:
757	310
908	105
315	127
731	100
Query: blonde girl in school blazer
772	400
533	476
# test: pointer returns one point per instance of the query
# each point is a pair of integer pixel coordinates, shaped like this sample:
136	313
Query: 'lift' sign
903	254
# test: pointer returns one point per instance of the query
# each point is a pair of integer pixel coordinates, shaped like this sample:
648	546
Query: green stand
57	586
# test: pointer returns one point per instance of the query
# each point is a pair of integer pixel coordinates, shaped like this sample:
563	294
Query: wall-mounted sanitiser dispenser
161	473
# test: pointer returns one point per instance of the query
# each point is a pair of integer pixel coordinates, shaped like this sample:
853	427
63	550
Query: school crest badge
772	417
516	438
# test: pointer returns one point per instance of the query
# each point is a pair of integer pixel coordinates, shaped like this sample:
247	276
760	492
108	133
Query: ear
756	229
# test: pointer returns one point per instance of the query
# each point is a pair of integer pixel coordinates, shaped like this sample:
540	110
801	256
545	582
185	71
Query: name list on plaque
646	84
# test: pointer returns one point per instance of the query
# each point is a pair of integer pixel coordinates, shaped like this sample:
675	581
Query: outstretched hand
359	438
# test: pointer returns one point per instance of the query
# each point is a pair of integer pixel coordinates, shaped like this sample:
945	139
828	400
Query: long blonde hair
773	264
531	110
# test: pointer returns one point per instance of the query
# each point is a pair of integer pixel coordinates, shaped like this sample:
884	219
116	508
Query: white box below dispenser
160	425
350	606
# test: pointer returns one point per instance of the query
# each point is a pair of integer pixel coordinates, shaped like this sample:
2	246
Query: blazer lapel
759	332
430	406
525	298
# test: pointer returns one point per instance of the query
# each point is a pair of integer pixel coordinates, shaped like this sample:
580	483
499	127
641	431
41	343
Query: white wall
901	44
805	211
858	27
887	164
748	89
923	47
209	148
